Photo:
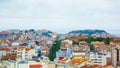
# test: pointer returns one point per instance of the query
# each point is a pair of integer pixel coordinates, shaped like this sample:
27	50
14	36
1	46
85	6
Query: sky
61	16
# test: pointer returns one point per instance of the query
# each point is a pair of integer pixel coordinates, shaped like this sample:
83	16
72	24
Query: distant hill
48	33
89	32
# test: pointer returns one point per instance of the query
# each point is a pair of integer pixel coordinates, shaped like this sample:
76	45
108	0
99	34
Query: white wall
23	65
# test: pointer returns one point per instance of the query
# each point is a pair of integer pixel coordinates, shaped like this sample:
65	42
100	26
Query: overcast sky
60	15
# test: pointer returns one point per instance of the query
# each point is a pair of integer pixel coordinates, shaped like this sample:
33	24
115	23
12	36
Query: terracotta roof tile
27	49
6	49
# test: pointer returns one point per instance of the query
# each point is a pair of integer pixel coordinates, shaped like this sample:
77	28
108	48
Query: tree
37	42
100	39
53	50
108	40
88	40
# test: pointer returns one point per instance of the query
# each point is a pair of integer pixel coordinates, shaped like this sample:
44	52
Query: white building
78	54
67	41
79	50
98	59
29	64
115	56
9	64
25	53
4	51
64	52
21	53
17	64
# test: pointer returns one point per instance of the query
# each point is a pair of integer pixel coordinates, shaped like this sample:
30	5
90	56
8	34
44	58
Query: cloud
60	15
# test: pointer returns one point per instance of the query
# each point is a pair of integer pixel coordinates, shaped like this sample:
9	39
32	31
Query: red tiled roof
95	66
78	51
5	57
21	47
116	39
13	57
85	66
44	48
6	49
36	66
92	66
27	49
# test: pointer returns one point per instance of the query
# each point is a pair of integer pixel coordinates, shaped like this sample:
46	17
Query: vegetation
100	39
89	39
37	42
75	39
53	50
88	32
107	40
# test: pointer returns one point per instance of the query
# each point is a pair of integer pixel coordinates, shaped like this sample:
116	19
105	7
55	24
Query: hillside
89	32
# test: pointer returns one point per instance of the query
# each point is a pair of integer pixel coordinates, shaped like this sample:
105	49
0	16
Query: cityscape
46	49
59	34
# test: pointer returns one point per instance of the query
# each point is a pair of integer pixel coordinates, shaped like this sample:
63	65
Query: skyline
60	16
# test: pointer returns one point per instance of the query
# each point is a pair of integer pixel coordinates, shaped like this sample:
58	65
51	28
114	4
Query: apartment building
21	53
79	50
98	59
64	52
115	55
4	51
25	53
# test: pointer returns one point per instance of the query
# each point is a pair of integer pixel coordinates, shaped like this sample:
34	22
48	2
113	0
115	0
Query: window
19	56
117	55
99	57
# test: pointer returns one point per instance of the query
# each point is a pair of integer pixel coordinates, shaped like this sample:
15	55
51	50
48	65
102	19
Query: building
98	59
23	64
44	50
64	52
115	55
83	43
79	50
29	64
66	43
78	62
21	53
4	51
25	53
9	64
78	53
100	47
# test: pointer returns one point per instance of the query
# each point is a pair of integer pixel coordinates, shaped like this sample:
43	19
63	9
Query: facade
98	59
83	43
64	52
16	64
9	64
79	50
44	50
66	43
100	47
4	51
21	53
78	54
25	53
115	55
30	65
